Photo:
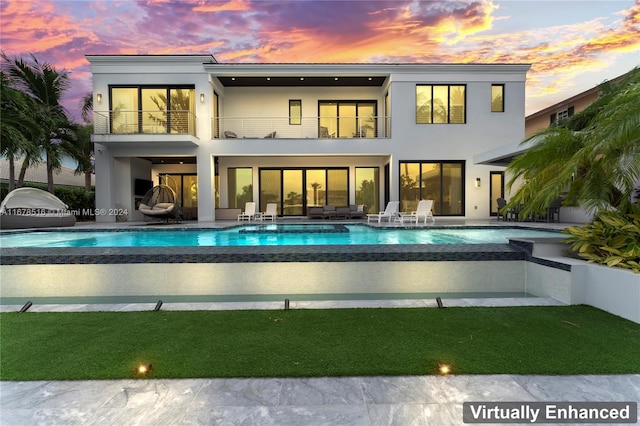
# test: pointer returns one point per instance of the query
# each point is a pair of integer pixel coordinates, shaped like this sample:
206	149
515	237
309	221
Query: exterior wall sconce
99	98
201	98
478	183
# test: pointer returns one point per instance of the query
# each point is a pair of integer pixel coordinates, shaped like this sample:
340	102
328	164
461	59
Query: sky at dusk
572	45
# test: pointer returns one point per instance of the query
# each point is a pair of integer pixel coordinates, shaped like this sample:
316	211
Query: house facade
302	135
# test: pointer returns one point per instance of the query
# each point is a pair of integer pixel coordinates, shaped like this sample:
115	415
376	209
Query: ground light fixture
286	304
143	369
158	305
444	369
439	302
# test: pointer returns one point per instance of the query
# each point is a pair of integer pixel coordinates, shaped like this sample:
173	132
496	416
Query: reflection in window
368	187
240	187
152	110
440	181
347	119
124	107
443	104
316	187
295	111
497	98
338	187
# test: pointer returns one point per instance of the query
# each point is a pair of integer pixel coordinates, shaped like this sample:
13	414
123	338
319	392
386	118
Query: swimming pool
269	235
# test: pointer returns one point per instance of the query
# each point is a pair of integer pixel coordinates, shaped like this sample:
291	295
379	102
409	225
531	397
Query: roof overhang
503	155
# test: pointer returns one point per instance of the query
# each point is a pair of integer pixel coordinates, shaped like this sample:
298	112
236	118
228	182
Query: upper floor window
561	115
158	109
347	119
295	111
497	98
444	104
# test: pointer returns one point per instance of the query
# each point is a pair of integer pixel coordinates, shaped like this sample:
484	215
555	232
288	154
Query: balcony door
154	110
347	119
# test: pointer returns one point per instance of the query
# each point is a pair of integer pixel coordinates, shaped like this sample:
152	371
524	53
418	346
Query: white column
206	188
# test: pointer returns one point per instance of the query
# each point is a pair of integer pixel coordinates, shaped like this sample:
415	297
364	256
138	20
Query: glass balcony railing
144	122
304	128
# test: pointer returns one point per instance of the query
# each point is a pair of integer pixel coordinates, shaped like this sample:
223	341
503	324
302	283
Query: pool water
269	235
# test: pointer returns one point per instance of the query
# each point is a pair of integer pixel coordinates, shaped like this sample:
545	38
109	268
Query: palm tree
592	158
18	128
45	86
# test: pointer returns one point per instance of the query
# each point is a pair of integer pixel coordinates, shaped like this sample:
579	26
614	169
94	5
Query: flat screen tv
141	186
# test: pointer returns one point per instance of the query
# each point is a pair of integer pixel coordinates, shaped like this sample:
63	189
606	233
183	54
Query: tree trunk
12	174
23	171
87	181
49	175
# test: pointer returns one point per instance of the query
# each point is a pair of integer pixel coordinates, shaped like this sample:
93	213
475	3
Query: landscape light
444	369
439	302
158	305
286	304
143	369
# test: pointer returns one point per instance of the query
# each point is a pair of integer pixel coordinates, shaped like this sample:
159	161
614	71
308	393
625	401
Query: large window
347	119
296	189
440	181
158	109
440	104
368	187
240	186
497	98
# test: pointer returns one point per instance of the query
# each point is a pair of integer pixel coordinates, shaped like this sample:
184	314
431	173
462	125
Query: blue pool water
263	235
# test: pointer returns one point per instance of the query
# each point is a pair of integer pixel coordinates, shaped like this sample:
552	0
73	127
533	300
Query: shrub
613	239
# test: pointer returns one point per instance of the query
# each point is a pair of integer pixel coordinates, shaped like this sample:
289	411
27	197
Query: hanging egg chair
160	202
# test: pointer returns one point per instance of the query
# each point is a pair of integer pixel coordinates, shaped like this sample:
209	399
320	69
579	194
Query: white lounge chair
423	210
390	212
271	212
249	212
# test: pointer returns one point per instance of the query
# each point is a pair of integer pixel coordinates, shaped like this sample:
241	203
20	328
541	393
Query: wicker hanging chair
160	202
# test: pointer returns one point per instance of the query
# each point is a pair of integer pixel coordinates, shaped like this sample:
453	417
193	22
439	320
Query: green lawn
336	342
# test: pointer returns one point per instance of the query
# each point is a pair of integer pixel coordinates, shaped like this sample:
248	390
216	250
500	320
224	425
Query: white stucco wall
482	131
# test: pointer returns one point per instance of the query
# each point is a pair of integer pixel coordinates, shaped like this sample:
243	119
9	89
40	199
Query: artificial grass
306	343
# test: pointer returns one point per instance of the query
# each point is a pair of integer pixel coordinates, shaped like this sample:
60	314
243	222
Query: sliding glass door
440	181
294	190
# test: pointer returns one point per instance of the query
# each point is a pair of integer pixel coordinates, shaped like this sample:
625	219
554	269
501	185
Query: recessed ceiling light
233	79
268	78
335	78
301	78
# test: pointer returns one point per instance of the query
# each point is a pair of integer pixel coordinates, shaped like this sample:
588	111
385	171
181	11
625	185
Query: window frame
502	106
139	88
438	203
448	86
295	119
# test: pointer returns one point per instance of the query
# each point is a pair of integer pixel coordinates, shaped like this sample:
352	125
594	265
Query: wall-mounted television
141	186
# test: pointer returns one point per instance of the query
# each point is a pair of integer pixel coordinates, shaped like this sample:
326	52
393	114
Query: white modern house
302	135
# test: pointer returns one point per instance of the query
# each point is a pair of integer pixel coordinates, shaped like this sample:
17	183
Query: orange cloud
232	5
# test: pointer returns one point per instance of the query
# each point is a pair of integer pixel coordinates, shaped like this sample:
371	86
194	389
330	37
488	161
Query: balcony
372	127
154	122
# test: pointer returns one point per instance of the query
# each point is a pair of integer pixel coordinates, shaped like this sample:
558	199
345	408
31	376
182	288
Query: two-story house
302	135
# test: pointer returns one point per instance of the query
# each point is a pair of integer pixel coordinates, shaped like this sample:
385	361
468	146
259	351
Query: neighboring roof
573	99
38	174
